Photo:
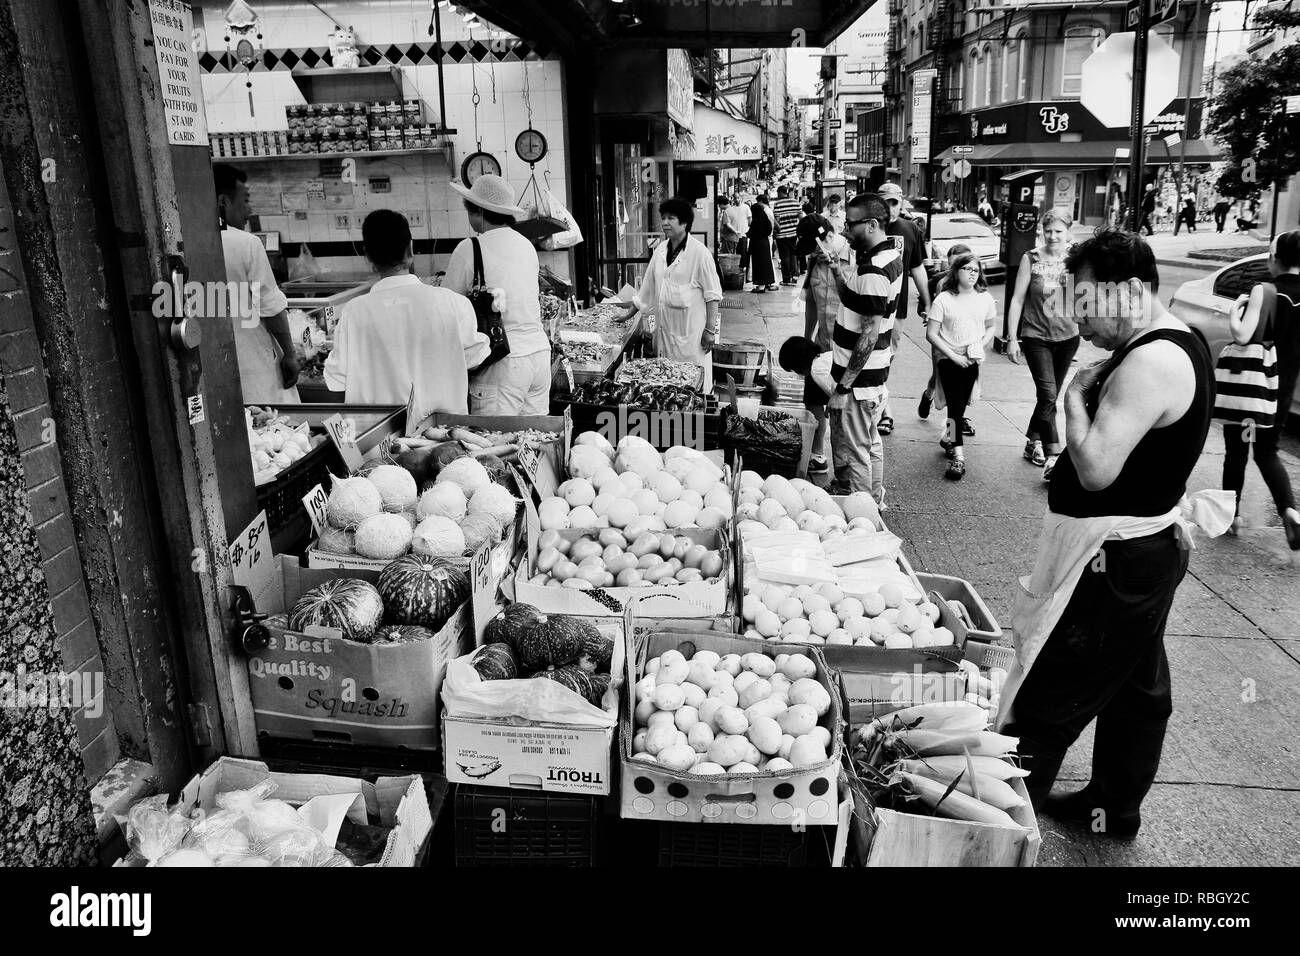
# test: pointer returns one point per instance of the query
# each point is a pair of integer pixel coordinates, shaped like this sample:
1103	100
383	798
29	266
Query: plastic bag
571	235
152	830
304	266
466	694
772	435
223	837
275	830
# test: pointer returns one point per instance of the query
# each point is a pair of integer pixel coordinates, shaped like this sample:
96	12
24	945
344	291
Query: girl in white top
960	327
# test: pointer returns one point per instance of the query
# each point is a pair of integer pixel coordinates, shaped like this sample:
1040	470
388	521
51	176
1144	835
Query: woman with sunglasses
959	327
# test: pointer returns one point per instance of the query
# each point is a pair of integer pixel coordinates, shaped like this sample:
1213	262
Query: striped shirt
787	216
870	295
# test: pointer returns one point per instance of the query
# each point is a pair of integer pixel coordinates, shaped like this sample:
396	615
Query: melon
438	537
509	622
860	504
383	536
552	641
445	501
396	487
422	590
351	501
495	662
468	473
480	530
586	460
350	605
496	502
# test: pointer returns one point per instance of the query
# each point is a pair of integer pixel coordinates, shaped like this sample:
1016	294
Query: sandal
886	425
967	428
1291	524
1034	452
956	468
1048	466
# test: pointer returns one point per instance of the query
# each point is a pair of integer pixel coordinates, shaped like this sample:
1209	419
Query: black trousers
789	261
1220	215
1049	364
1237	450
1105	659
958	384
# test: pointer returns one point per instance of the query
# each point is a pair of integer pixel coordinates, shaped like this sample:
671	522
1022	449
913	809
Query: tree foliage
1247	117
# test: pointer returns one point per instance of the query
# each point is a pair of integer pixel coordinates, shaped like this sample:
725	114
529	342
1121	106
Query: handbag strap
479	281
1267	312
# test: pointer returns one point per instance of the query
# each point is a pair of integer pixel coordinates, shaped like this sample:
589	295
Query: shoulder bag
485	311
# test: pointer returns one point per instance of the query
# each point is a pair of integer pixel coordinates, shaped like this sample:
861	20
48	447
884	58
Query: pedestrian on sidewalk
960	326
761	227
927	396
860	349
786	210
1148	209
1270	313
1040	323
1090	625
729	224
910	241
835	211
1186	215
821	309
1221	206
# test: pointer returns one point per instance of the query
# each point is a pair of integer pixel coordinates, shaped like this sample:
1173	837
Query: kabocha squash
351	605
495	662
597	650
508	623
422	591
554	640
572	677
599	684
402	634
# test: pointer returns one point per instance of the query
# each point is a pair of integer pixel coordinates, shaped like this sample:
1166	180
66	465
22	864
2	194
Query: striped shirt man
786	211
867	308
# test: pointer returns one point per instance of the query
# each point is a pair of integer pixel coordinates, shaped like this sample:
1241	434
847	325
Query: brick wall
29	400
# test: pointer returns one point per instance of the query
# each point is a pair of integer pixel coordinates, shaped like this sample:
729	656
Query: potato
709	659
644	710
707	768
777	764
728	750
780	660
659	738
695	695
726	694
799	666
661	717
722	679
669	696
652	665
700	673
823	735
645	687
729	663
765	734
743	767
756	690
686	717
787	741
672	672
708	712
808	691
672	657
807	751
797	720
744	680
638	741
752	753
780	683
699	737
732	720
677	757
770	707
760	664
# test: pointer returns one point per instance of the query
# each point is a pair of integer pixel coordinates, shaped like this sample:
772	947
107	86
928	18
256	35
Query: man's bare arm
861	351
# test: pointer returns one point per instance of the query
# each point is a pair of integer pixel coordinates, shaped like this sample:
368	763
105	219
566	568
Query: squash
495	662
423	591
554	640
351	605
599	684
572	677
402	634
597	650
509	623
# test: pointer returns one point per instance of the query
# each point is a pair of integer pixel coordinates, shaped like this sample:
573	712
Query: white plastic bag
571	236
466	694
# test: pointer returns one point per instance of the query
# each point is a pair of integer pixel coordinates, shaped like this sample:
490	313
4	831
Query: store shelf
334	84
364	154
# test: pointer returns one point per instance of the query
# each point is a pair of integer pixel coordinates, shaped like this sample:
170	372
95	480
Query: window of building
911	45
973	74
1013	69
920	35
1080	41
993	65
955	84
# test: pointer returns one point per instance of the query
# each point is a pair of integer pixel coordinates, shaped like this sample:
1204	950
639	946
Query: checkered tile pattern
416	54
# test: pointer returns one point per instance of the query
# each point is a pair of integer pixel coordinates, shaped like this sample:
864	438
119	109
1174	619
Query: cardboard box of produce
510	751
319	686
655	792
696	599
541	467
397	803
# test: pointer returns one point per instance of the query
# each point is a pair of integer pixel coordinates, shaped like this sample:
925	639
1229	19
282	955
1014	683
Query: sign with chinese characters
719	137
681	88
178	74
922	101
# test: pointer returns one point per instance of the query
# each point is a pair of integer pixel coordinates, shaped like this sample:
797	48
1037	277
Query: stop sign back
1108	79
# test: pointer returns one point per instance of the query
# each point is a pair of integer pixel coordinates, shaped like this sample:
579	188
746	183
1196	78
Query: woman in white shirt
959	327
520	383
404	335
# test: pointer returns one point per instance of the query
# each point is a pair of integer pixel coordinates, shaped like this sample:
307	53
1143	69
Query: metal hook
546	175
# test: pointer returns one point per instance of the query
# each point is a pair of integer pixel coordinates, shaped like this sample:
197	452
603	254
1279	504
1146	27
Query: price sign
568	372
529	461
314	501
343	433
251	560
483	592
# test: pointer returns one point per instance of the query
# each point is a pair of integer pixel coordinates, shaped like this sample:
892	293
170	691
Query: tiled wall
419	184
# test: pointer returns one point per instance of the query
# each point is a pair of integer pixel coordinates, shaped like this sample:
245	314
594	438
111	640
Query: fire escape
944	36
894	85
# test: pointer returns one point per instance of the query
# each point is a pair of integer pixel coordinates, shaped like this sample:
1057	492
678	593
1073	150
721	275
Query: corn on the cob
934	742
957	805
994	745
989	766
989	789
951	715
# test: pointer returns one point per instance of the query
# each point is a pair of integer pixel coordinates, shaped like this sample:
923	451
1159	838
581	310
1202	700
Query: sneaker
967	428
1048	466
1291	523
886	425
838	489
880	501
1084	809
773	288
956	469
1034	452
817	465
950	451
923	408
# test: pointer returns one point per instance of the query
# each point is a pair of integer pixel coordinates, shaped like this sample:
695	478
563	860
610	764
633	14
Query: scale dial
479	164
530	145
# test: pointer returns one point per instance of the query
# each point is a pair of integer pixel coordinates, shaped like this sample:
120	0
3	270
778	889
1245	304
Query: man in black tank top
1135	427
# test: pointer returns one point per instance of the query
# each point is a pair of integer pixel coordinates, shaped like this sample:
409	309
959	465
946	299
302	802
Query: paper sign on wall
315	501
178	75
343	433
251	560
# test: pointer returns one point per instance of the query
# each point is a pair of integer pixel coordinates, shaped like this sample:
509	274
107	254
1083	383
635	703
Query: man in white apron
682	289
1089	623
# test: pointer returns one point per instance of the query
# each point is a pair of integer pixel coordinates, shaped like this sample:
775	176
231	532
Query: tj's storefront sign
1062	121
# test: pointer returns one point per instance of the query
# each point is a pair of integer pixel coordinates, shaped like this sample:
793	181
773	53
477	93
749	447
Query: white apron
1066	546
679	309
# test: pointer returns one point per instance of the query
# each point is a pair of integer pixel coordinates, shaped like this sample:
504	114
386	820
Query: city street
1228	792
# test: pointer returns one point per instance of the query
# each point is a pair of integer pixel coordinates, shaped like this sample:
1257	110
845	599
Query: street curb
1201	264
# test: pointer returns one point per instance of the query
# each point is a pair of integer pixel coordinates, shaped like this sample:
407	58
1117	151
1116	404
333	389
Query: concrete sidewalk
1228	791
1196	250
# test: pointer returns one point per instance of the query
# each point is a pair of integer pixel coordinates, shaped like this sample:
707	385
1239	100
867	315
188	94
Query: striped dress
871	295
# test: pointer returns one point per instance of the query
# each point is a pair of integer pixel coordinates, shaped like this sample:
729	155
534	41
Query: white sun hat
492	193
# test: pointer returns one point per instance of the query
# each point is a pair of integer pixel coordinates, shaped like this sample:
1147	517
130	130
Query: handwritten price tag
251	560
314	501
529	461
483	592
343	433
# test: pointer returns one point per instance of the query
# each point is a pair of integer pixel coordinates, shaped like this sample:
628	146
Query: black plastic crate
731	844
497	827
281	498
663	433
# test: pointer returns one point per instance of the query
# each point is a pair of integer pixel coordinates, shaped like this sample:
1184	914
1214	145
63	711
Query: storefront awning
1076	155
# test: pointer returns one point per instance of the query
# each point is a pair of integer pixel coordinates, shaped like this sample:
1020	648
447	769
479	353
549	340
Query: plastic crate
984	625
721	844
495	827
281	499
662	433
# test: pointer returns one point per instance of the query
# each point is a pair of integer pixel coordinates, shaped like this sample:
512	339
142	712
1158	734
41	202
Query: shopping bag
485	311
571	235
1245	376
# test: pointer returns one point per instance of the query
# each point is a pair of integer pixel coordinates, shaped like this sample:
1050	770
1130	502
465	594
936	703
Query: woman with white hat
520	383
682	289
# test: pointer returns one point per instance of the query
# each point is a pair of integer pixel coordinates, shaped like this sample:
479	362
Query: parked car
1204	304
948	229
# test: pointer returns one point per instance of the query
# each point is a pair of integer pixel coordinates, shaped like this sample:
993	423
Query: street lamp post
1137	147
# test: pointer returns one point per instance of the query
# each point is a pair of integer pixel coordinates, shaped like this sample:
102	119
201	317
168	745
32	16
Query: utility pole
1137	147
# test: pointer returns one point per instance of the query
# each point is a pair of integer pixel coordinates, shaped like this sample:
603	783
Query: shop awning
1075	155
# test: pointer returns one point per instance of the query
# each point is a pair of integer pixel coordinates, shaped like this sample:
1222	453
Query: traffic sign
836	123
957	150
1158	11
810	101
